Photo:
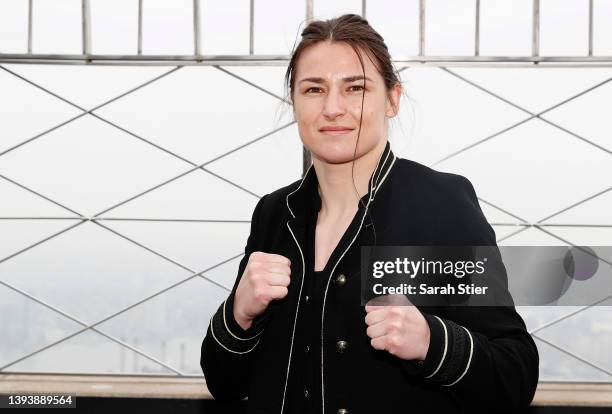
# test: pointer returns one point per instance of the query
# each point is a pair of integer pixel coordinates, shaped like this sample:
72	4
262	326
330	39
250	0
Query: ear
393	100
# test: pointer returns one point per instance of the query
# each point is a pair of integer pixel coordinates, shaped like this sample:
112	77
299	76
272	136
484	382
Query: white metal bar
421	27
251	26
86	26
282	60
140	27
590	27
30	6
477	30
535	30
309	10
196	28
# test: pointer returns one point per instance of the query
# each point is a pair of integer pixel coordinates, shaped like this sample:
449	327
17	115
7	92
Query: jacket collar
307	195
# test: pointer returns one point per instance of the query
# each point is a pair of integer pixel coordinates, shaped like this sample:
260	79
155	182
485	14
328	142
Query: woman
292	335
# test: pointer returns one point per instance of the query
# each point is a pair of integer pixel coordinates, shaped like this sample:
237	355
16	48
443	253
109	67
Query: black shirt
312	295
311	384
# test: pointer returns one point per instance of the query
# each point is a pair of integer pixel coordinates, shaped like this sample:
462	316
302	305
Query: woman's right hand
265	278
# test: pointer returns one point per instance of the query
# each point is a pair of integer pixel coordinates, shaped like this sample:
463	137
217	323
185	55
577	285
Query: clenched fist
398	327
265	277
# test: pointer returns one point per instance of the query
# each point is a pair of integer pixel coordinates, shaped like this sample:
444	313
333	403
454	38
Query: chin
336	154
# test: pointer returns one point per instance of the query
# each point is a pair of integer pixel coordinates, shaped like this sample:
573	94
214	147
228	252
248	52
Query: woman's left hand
399	329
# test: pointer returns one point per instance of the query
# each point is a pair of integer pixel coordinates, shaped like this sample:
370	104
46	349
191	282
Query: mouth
335	131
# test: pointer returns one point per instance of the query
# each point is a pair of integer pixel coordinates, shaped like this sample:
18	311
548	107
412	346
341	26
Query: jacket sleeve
228	349
483	355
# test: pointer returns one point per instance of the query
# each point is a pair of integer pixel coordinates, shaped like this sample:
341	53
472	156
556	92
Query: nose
334	105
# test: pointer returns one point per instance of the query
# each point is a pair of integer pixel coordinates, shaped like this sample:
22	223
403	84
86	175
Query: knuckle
254	276
396	325
392	341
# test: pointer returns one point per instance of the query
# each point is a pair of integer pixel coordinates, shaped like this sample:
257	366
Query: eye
360	87
311	88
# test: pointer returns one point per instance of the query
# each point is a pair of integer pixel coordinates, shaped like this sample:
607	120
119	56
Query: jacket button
306	393
342	411
307	348
341	346
340	280
306	298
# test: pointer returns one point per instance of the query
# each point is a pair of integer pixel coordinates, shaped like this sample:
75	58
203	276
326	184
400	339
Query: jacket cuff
257	325
449	356
230	335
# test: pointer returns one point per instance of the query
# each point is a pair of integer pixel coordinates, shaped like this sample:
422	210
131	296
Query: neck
336	186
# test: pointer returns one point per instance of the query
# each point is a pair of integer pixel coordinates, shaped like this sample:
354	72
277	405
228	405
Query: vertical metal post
140	27
477	30
421	27
306	156
590	27
251	26
30	25
86	26
135	367
363	8
196	27
309	10
535	42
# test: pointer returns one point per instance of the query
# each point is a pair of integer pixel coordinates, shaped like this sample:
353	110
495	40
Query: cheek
306	113
369	116
373	111
306	122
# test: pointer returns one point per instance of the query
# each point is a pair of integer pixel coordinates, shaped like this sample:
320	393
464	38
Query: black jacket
479	359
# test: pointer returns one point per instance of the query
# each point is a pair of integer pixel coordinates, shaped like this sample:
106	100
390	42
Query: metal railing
197	58
548	394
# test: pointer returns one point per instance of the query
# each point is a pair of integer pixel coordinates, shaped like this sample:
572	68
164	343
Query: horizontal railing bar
264	59
548	393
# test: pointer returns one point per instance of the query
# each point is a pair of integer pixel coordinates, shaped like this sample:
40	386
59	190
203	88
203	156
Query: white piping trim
325	297
296	314
379	171
301	285
225	347
469	360
445	348
231	333
329	279
291	193
385	176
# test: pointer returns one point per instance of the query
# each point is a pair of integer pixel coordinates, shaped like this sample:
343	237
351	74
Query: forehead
330	59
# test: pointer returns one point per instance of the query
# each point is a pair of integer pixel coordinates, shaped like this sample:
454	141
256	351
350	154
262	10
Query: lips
335	130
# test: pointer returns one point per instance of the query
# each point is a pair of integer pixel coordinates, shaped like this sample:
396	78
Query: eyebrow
347	79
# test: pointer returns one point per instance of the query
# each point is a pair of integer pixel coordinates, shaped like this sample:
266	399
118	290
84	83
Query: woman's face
328	94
